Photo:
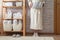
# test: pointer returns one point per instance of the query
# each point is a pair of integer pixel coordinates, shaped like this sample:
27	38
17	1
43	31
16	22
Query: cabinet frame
23	13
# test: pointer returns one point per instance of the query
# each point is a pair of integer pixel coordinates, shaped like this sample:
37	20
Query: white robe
36	17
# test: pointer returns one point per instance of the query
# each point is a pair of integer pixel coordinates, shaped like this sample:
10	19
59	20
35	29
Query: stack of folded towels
17	15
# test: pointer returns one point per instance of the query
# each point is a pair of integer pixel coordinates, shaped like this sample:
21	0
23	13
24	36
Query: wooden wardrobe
57	16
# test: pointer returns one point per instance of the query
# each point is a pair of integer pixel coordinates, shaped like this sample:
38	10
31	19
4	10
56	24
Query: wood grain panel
58	1
57	16
58	19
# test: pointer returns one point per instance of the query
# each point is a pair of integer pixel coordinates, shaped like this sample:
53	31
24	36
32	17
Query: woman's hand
30	4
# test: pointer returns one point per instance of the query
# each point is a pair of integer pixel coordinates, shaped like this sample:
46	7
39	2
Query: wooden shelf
12	0
23	7
13	31
12	19
18	19
12	6
7	19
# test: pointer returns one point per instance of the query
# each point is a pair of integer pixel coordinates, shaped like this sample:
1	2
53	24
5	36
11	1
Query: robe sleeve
43	2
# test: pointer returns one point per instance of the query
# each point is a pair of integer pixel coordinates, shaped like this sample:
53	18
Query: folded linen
17	15
7	25
17	25
18	3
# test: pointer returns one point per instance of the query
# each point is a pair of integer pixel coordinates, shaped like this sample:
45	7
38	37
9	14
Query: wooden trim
12	0
40	33
12	7
14	31
55	16
24	17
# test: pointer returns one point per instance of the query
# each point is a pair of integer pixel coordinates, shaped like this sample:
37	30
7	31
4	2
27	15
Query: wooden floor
25	38
56	37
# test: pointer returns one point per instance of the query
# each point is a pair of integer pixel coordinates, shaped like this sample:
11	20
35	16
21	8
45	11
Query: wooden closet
57	16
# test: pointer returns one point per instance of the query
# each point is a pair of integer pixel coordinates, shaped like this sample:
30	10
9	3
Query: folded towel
7	25
17	15
17	25
8	4
8	15
18	3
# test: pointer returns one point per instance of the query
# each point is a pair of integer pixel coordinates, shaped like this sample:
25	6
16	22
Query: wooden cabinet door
57	16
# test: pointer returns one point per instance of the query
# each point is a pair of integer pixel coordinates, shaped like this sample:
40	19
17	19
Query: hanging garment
36	19
36	14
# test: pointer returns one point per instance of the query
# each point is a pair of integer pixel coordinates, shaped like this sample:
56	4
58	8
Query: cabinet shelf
13	31
6	19
12	19
12	6
12	0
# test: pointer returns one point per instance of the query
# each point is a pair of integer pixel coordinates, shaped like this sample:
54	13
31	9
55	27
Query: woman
36	9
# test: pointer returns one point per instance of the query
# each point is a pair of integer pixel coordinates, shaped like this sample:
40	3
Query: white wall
48	17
